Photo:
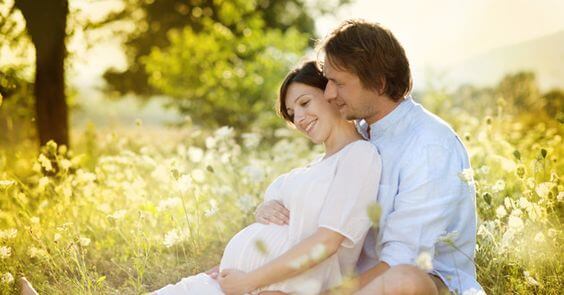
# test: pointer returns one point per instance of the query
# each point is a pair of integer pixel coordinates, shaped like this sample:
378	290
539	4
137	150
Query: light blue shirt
422	196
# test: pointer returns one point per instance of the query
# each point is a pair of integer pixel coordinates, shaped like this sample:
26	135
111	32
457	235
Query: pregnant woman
328	199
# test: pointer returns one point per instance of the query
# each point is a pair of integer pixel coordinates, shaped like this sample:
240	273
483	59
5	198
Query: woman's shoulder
361	147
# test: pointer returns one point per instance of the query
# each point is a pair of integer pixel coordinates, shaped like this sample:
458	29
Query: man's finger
263	220
281	216
276	220
278	207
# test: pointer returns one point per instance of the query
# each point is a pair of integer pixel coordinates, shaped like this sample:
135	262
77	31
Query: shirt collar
378	128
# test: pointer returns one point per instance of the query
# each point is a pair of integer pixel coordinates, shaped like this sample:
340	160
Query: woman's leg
272	293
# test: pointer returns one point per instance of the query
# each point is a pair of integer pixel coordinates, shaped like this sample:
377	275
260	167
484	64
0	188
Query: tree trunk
46	22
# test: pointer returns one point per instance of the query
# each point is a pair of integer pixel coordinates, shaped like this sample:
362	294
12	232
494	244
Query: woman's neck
341	135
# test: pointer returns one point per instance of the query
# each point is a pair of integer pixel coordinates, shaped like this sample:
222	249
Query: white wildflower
6	183
539	237
66	164
104	207
184	183
529	279
224	132
84	241
282	132
45	162
169	203
57	237
498	186
543	189
552	233
213	208
467	175
195	154
245	202
500	212
524	203
35	252
255	173
43	182
172	238
485	169
449	238
251	140
8	234
35	220
515	223
210	142
299	262
424	261
5	252
161	174
318	252
119	214
198	175
7	278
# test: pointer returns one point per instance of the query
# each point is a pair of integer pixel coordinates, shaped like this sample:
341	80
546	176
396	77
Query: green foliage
153	20
222	79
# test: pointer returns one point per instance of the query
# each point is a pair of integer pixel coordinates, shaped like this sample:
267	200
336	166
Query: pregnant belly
254	246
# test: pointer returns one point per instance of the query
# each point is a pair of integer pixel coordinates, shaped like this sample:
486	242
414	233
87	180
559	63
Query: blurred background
216	63
137	136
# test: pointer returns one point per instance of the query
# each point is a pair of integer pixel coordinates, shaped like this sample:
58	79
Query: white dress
333	193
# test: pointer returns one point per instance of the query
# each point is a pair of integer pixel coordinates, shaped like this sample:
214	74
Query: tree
154	19
46	23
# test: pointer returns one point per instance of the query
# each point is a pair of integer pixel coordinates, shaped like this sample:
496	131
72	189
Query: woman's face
313	114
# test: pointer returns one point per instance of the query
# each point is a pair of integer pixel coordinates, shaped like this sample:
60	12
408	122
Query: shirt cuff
397	253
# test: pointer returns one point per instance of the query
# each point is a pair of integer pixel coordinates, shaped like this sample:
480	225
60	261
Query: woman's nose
299	116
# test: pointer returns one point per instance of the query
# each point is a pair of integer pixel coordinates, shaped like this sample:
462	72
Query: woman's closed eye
304	103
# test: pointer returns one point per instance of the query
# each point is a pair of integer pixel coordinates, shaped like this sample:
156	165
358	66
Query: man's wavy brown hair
371	52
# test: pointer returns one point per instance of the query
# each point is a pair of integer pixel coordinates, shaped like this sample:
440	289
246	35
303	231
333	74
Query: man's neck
385	106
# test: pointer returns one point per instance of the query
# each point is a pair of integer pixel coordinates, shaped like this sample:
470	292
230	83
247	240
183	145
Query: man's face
345	90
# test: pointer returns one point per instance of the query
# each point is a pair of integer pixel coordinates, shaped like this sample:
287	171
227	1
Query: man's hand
235	282
213	272
272	212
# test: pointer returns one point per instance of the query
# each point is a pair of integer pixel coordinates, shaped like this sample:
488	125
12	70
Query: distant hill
544	56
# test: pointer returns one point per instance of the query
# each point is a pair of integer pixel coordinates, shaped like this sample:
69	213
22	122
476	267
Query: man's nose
330	91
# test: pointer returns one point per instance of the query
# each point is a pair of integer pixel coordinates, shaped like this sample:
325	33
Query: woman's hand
235	282
272	212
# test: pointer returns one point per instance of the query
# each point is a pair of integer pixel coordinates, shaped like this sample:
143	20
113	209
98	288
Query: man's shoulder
427	128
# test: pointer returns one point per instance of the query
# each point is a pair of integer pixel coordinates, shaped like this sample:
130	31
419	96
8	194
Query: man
421	194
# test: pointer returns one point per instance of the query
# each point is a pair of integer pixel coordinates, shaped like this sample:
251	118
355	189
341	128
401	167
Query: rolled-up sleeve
429	191
354	187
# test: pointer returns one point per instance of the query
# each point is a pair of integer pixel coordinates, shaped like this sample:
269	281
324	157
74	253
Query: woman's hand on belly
235	282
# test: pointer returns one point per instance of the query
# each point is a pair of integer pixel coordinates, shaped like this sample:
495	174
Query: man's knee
408	279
